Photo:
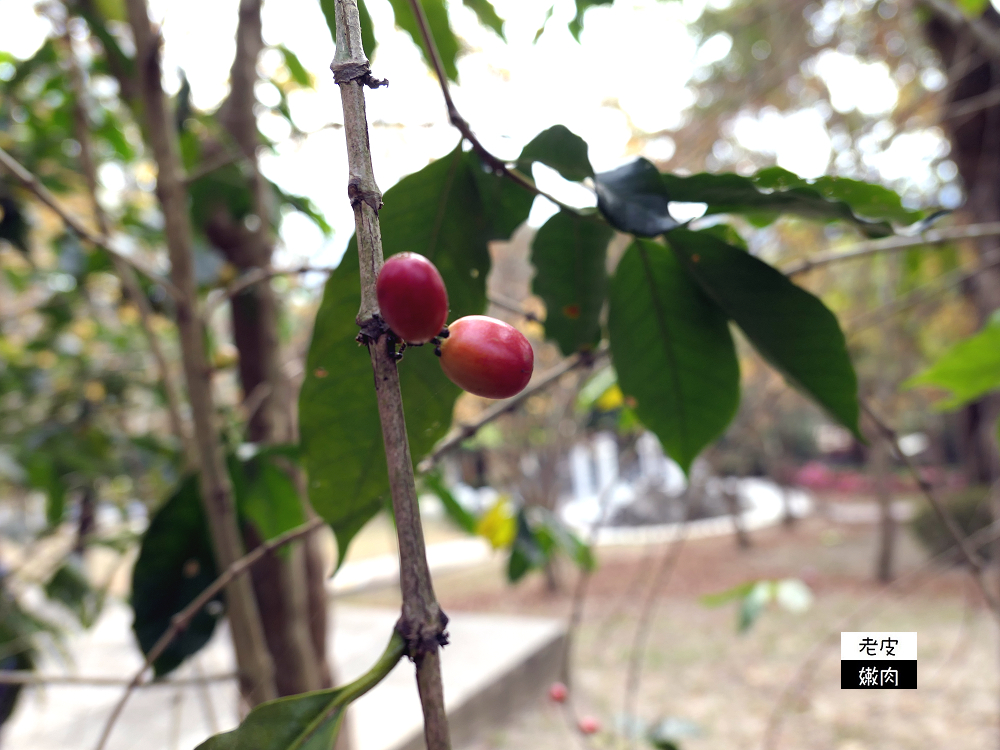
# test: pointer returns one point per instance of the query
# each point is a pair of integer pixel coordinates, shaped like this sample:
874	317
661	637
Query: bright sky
509	92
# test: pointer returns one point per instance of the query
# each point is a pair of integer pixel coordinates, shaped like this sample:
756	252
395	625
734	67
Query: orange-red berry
558	692
487	357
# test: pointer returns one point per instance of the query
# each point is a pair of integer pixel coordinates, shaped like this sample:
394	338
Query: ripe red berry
412	297
487	357
589	725
558	692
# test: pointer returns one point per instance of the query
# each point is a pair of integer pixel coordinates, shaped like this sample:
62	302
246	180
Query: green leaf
175	564
732	594
559	148
969	369
753	605
672	350
552	535
437	19
433	482
774	191
266	496
296	69
973	8
304	205
368	41
70	587
309	721
525	553
448	213
576	24
634	199
44	474
790	327
545	21
569	253
487	15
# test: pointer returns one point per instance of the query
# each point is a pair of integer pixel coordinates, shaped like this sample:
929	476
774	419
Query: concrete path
493	666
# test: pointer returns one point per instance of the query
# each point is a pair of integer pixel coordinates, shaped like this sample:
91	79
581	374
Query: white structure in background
598	489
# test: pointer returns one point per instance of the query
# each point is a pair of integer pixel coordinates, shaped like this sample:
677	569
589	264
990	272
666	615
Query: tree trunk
290	587
975	149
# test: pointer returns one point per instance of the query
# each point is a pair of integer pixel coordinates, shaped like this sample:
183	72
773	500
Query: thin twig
422	623
512	306
182	619
543	381
33	185
125	272
24	677
456	119
893	244
969	554
255	276
633	676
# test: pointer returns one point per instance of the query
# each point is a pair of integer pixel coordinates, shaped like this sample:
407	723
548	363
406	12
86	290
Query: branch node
372	330
423	638
358	194
358	71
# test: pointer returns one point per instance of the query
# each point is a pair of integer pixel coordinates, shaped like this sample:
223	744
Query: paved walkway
172	716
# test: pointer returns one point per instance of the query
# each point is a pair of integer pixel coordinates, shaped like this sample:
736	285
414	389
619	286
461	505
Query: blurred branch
255	276
125	272
987	36
25	677
969	554
496	164
942	284
633	677
33	185
180	621
893	244
512	306
543	381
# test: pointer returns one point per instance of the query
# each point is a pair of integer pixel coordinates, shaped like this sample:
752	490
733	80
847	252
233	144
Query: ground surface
698	668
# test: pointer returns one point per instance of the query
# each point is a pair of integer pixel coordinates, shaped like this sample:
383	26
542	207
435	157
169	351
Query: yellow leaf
498	525
94	391
611	399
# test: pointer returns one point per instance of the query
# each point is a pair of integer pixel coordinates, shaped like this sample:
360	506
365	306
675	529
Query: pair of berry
481	355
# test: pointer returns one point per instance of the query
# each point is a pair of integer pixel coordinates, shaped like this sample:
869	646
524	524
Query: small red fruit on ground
558	692
589	725
412	297
487	357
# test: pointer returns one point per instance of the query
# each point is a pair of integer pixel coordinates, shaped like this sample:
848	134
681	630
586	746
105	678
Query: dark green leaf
296	69
437	19
969	369
559	148
444	213
672	350
569	253
175	564
790	327
633	199
576	24
526	553
43	474
13	226
225	188
553	535
309	721
487	15
368	42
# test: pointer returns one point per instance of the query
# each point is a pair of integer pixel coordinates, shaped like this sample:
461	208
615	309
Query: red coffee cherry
558	692
487	357
589	725
412	297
